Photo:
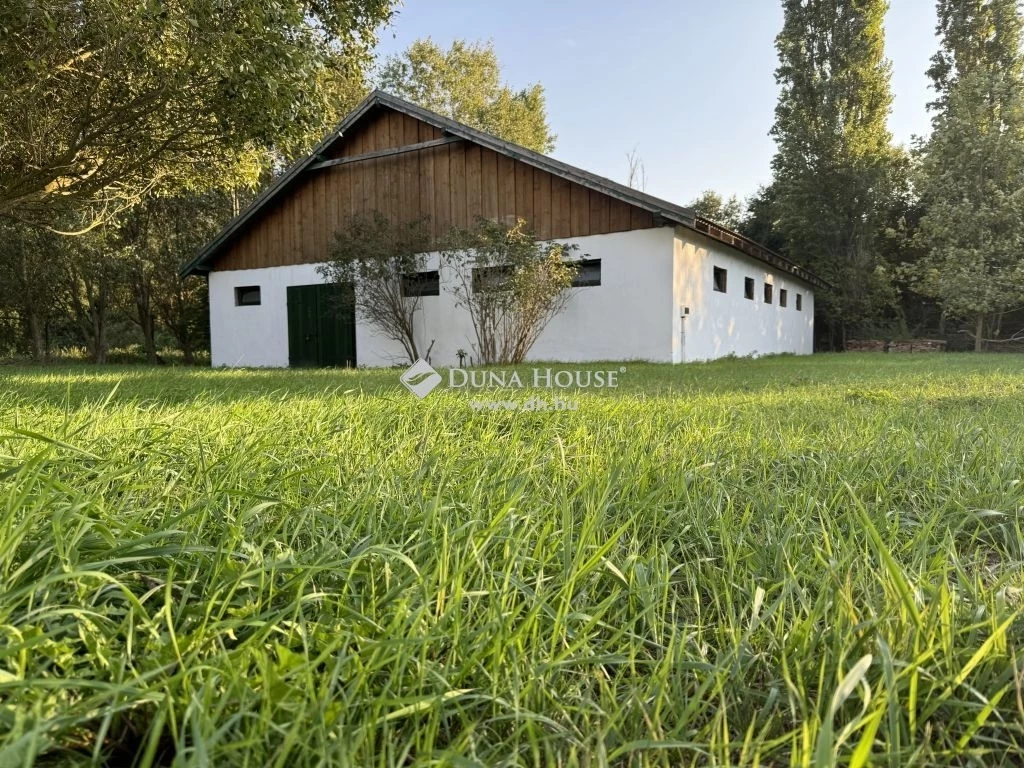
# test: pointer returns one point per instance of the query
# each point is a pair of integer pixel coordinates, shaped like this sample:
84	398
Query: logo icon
420	379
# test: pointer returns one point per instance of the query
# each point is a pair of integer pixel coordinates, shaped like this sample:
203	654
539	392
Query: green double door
321	326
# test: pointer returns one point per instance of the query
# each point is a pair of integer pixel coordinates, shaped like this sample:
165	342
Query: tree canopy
711	205
971	178
464	83
107	99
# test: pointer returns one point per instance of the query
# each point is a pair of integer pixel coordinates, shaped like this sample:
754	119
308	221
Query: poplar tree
834	151
971	177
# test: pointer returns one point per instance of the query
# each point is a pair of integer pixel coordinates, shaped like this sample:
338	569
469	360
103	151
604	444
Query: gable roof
664	212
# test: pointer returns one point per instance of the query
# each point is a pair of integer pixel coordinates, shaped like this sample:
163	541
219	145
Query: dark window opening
491	278
783	297
721	280
421	284
588	273
748	288
799	302
768	288
247	296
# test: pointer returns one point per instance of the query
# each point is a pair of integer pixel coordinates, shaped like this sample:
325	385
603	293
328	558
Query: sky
689	84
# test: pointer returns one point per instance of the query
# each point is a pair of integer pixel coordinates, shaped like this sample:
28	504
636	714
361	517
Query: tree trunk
149	337
99	329
36	322
146	321
979	334
172	319
145	317
37	335
186	351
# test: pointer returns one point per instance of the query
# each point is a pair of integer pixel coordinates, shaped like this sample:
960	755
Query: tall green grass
776	562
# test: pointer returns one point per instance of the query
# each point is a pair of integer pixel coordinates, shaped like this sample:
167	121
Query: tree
140	272
152	241
179	227
93	279
106	99
712	206
834	152
914	313
183	310
464	83
971	177
384	260
343	83
511	284
637	178
761	221
32	292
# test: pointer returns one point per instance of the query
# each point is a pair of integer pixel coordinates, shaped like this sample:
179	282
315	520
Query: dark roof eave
760	252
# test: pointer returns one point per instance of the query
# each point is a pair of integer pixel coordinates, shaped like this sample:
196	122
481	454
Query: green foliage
378	257
117	284
105	99
834	165
464	83
93	274
124	123
155	238
711	205
971	175
31	287
761	222
511	284
316	568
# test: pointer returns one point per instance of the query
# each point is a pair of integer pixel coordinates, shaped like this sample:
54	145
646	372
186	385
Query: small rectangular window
588	273
721	280
768	288
247	296
491	278
421	284
799	302
748	288
783	297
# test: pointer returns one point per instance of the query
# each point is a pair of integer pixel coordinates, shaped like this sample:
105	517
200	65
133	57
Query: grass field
775	562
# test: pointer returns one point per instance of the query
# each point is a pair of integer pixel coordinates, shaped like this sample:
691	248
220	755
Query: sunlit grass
775	562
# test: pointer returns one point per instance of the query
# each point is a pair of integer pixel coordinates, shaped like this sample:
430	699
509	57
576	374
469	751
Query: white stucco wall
648	279
628	317
254	336
721	324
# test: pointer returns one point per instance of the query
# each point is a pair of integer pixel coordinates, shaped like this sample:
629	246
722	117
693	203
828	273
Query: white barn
661	284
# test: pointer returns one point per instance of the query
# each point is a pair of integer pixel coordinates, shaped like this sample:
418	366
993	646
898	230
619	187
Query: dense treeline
114	286
925	240
133	132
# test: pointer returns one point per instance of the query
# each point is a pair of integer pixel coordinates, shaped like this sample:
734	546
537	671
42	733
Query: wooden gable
453	184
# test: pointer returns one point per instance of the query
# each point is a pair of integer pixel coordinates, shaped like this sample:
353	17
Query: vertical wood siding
452	184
